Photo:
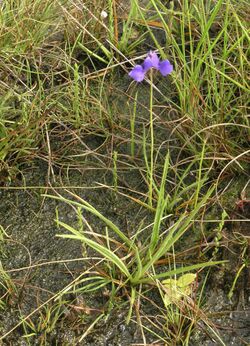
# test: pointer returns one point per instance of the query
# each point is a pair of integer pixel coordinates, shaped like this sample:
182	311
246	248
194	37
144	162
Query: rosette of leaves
177	289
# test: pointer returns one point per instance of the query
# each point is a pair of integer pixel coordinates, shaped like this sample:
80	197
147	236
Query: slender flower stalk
151	173
138	73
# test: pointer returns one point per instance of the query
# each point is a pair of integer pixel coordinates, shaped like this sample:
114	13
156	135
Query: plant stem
151	172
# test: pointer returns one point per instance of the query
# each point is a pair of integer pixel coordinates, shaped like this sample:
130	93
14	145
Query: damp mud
40	264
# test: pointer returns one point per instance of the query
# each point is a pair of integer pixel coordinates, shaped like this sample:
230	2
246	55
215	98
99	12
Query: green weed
135	266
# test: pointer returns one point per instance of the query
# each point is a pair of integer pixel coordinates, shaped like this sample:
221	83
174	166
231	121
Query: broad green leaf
169	282
186	280
177	289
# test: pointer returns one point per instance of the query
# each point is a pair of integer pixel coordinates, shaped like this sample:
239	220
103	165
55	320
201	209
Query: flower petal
147	64
137	73
152	60
165	67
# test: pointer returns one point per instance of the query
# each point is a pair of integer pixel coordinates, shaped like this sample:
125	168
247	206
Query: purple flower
152	61
137	73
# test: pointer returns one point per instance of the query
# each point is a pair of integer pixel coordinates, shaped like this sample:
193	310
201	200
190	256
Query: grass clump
133	259
209	44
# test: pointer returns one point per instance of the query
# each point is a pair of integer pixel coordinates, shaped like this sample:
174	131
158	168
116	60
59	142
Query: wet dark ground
29	222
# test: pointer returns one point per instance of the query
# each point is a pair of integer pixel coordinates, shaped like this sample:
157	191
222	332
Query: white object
104	14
